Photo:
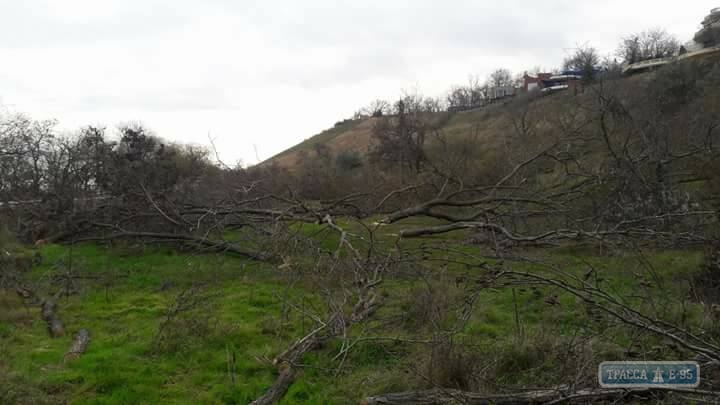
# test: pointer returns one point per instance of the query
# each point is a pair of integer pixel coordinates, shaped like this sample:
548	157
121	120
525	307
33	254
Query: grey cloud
181	99
477	24
24	26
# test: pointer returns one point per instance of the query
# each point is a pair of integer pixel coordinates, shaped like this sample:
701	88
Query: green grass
121	365
126	291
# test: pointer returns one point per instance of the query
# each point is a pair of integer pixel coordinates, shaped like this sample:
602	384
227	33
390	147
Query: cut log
48	309
79	346
49	314
451	396
442	396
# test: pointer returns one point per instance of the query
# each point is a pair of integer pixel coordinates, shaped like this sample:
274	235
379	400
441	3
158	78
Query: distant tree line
649	44
42	168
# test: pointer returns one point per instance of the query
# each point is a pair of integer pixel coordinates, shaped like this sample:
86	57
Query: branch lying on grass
286	362
605	302
336	325
434	230
553	235
425	209
557	396
48	310
281	385
265	213
394	192
215	245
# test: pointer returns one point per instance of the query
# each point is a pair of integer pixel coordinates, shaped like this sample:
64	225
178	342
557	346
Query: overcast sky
267	74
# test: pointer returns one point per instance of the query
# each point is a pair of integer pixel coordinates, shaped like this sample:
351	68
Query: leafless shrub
450	365
541	358
428	306
189	319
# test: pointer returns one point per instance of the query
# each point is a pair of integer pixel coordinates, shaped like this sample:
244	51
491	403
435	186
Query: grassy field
139	354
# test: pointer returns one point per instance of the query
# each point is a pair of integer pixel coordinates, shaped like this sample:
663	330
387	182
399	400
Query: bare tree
459	97
467	96
400	139
500	78
584	59
650	44
377	108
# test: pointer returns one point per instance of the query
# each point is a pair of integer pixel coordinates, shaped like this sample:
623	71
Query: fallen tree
48	309
551	396
337	324
207	243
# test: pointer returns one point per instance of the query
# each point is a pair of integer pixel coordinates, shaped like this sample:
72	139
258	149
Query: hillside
356	135
487	126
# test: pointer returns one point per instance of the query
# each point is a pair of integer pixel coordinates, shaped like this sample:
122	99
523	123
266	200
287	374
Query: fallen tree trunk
552	396
214	245
287	360
335	326
79	346
500	230
281	385
48	310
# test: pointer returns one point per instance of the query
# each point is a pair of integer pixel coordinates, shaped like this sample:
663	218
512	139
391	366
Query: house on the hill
567	79
531	83
500	92
646	65
549	82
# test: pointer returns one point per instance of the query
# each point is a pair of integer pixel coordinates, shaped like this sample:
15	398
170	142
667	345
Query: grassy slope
124	366
489	124
357	135
350	135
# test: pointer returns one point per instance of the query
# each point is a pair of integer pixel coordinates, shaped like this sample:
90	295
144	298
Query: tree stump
79	346
49	314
